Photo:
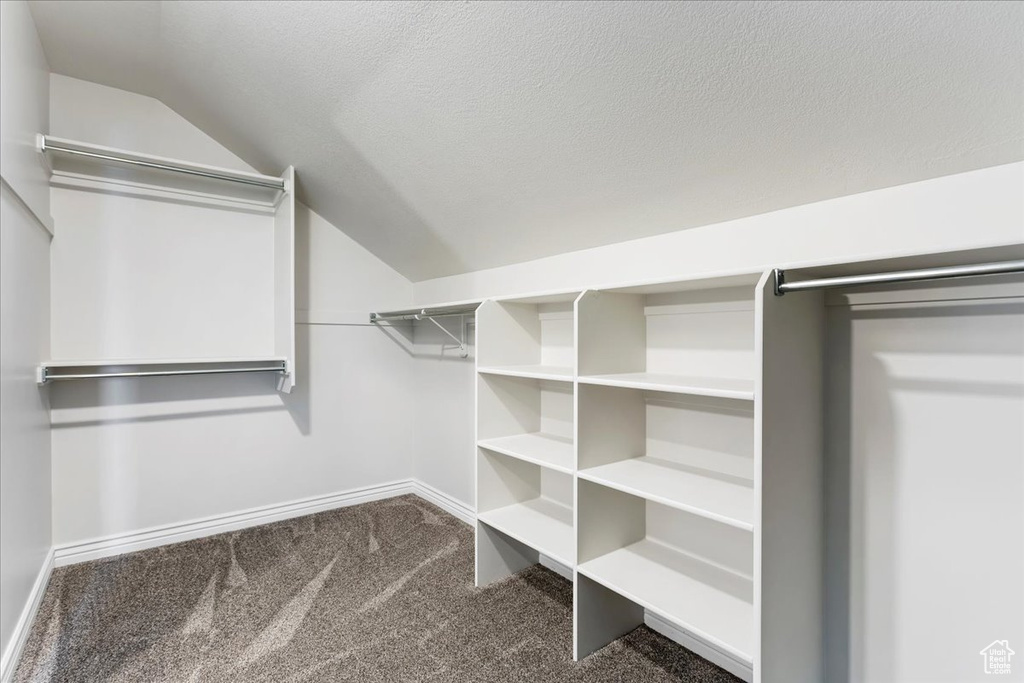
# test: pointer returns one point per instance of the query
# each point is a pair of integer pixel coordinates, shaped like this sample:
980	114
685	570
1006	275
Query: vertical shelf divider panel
789	470
607	521
284	281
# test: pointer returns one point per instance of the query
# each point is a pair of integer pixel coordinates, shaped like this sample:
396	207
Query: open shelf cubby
527	502
530	338
527	419
693	338
637	555
691	453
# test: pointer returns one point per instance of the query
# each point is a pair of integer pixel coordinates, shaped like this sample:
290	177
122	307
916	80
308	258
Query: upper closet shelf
86	161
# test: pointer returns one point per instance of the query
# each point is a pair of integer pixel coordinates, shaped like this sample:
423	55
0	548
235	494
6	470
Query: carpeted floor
376	592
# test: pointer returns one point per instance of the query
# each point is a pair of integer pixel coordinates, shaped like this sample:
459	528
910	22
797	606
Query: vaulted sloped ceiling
449	137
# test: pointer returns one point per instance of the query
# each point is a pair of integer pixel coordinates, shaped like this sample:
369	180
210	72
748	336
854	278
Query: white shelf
711	603
540	523
136	163
548	372
668	483
546	450
720	387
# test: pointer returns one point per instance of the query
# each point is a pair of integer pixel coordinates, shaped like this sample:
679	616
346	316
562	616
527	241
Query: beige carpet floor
375	592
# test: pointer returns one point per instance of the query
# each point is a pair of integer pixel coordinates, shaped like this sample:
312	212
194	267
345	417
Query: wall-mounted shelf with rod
51	371
412	315
172	267
73	159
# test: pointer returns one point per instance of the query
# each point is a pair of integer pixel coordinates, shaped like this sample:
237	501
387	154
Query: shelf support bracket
463	351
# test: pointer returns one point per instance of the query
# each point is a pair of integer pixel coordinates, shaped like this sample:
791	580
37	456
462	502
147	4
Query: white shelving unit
191	270
525	425
679	566
622	433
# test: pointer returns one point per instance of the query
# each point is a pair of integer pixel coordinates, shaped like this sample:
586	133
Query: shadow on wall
902	384
422	340
93	403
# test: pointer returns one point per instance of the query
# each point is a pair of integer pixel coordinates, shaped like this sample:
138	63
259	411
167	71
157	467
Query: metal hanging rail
421	313
48	144
429	314
782	287
46	373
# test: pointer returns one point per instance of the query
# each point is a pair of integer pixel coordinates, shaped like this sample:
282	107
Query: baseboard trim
109	546
119	544
12	653
712	654
452	506
557	567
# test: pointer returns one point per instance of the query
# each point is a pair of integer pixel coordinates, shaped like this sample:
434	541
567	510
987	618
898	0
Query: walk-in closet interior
513	341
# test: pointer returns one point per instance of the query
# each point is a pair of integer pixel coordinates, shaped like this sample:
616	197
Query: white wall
134	454
969	210
24	325
443	390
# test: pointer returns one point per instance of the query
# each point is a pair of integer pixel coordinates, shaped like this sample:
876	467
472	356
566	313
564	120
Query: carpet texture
375	592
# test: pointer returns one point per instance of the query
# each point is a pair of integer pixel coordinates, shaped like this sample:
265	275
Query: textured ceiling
449	137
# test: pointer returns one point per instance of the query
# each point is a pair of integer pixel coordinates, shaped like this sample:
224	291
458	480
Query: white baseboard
557	567
712	654
454	507
109	546
12	653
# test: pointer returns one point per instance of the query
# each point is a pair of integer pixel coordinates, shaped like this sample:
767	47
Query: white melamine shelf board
556	373
541	523
704	599
721	387
101	154
547	450
725	500
699	282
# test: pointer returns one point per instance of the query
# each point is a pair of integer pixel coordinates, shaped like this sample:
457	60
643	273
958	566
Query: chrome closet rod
781	286
159	373
423	313
276	183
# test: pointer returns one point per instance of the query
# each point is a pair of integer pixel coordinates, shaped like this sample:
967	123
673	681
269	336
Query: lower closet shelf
712	603
547	450
728	500
540	523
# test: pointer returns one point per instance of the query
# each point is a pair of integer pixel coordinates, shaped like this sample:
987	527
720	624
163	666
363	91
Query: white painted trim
563	570
699	308
713	655
109	546
12	653
451	505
